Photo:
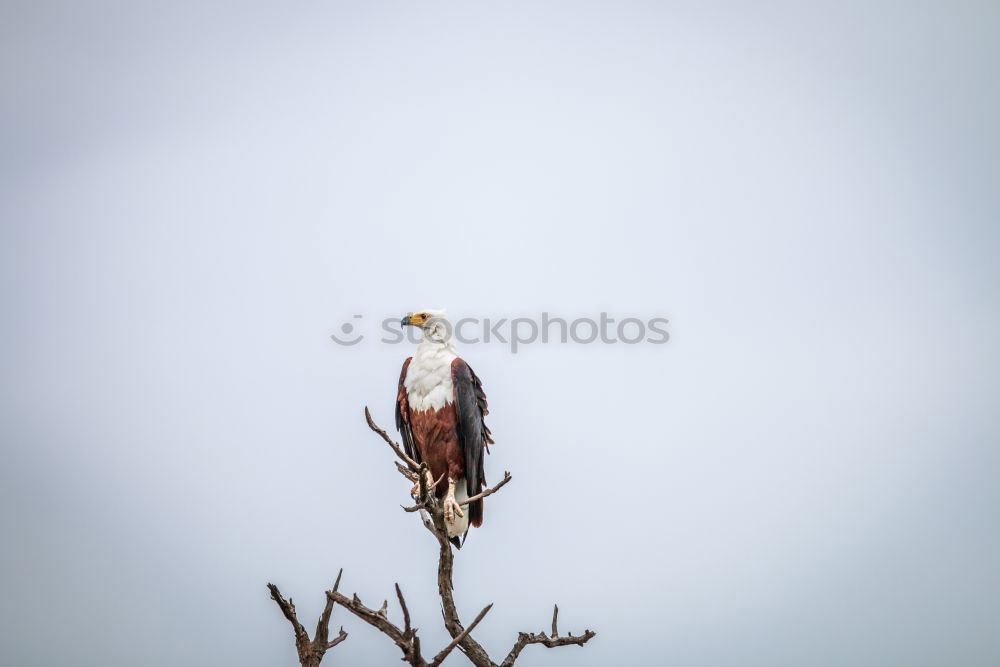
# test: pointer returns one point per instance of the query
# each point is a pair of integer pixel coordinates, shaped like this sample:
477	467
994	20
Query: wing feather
403	415
473	434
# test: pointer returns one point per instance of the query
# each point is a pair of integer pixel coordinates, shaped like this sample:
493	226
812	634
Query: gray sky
195	196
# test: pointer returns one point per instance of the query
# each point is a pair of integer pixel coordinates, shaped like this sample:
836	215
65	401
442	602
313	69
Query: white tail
461	524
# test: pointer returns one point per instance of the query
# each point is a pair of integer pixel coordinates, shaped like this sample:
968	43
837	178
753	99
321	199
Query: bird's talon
451	509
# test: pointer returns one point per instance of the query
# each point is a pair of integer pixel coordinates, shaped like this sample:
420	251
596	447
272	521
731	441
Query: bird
440	412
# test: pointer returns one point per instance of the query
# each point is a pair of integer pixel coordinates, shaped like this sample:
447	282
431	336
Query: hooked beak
404	322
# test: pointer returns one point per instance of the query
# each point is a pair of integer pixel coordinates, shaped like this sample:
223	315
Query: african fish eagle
440	406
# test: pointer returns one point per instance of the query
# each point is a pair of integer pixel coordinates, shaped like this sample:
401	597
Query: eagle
440	411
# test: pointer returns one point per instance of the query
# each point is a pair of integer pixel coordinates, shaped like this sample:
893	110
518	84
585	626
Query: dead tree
406	638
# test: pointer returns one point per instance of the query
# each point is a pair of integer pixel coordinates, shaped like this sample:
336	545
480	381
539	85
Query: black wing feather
403	415
473	434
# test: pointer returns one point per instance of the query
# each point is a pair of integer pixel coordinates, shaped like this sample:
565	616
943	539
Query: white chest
428	378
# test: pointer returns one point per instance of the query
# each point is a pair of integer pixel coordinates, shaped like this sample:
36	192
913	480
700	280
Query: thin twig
396	448
341	637
406	472
439	658
406	612
488	492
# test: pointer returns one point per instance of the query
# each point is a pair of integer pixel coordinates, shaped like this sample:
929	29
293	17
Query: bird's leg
451	506
415	491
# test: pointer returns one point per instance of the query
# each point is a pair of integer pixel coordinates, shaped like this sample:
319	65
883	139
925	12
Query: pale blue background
195	195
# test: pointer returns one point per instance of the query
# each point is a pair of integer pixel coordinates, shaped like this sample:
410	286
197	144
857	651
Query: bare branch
406	612
436	482
449	611
439	658
411	464
336	584
340	637
488	492
310	652
525	638
405	640
354	605
424	490
288	609
323	624
406	472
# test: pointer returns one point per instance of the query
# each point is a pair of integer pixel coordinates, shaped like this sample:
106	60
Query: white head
433	323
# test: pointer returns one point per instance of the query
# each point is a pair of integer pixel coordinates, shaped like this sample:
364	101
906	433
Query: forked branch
311	651
525	638
405	639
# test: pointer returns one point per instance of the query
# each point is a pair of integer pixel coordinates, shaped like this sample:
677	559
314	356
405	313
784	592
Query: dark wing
403	415
473	435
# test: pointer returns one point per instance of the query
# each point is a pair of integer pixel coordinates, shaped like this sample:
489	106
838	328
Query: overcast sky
195	196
